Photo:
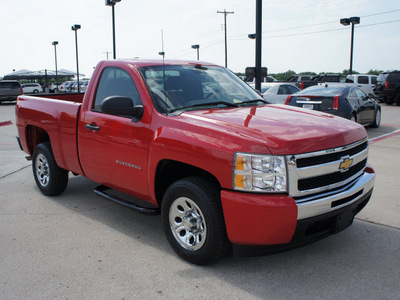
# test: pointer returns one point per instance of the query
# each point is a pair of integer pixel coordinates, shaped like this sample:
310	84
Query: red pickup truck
193	142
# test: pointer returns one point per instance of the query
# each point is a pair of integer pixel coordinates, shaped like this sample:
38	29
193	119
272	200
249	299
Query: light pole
55	43
197	47
112	4
346	22
226	43
75	28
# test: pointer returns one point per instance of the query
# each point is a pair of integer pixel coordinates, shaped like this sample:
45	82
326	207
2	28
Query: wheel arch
169	171
34	136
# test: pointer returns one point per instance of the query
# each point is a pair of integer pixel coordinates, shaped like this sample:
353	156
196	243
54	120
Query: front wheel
193	220
50	179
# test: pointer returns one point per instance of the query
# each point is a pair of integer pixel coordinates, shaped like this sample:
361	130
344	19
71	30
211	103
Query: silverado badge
345	164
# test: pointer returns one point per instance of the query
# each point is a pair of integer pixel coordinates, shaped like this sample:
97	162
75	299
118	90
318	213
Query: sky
299	35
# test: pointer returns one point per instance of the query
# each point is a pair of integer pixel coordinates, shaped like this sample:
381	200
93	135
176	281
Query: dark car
10	90
346	101
388	87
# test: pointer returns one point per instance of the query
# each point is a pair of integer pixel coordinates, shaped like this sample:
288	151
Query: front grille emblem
345	164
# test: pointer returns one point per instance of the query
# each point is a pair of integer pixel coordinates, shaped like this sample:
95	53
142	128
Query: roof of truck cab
138	63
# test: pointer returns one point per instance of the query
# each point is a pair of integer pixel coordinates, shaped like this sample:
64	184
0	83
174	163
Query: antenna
162	45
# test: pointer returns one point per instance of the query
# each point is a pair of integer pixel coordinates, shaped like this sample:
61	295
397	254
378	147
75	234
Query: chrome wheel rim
42	170
378	117
187	224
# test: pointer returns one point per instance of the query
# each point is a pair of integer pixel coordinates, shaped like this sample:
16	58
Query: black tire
389	101
377	119
397	98
50	179
196	202
35	91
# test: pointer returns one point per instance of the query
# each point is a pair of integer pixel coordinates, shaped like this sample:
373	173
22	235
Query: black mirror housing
122	106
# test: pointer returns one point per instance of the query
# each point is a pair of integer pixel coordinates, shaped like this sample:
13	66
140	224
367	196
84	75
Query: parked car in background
32	88
252	80
55	87
10	90
365	82
75	86
277	92
320	79
345	101
69	87
299	78
388	87
84	86
61	88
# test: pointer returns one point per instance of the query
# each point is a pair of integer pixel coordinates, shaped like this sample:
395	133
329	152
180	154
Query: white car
277	92
32	88
365	82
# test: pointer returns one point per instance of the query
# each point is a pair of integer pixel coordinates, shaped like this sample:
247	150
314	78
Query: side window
360	94
115	82
292	89
363	79
373	79
353	93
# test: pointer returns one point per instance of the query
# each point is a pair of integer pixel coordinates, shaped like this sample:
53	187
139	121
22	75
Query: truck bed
55	115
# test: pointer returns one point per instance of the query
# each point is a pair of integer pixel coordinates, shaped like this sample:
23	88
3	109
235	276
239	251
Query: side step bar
101	191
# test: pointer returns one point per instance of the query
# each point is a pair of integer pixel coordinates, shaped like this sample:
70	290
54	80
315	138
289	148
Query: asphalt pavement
81	246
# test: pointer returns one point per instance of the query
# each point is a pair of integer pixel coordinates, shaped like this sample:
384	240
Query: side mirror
122	106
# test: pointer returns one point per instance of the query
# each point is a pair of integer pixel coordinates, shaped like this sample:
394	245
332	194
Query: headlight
259	173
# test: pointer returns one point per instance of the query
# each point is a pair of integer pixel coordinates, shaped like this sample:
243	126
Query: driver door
113	149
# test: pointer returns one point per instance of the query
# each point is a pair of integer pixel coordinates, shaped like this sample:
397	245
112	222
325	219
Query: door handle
93	127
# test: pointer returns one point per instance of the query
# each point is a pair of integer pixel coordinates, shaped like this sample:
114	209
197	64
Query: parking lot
81	246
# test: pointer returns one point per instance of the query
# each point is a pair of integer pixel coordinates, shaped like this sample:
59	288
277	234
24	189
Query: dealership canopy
40	75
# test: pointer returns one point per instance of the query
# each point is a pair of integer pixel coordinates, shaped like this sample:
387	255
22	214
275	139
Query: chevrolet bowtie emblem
345	164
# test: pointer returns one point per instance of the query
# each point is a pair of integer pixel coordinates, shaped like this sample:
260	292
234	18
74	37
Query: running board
101	191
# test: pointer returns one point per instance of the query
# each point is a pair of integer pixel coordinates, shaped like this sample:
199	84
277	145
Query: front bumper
265	219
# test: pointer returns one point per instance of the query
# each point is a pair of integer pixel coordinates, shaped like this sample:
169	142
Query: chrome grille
320	171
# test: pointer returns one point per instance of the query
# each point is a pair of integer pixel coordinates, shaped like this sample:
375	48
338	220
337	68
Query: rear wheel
193	220
377	119
397	98
50	179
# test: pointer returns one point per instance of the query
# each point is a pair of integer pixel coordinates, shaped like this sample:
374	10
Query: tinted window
189	87
395	76
373	79
382	77
9	85
360	94
287	89
293	89
363	79
115	82
322	91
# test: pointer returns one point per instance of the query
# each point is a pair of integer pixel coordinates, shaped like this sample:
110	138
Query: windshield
321	90
194	87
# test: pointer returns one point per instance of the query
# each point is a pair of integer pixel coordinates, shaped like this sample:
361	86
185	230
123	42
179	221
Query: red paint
125	155
5	123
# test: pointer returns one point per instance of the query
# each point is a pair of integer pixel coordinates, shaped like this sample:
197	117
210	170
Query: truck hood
282	129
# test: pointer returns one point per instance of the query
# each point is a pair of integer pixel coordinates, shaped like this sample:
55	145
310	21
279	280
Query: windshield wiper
228	104
254	101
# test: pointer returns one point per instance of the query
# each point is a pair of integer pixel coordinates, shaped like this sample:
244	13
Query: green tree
374	72
347	72
308	73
